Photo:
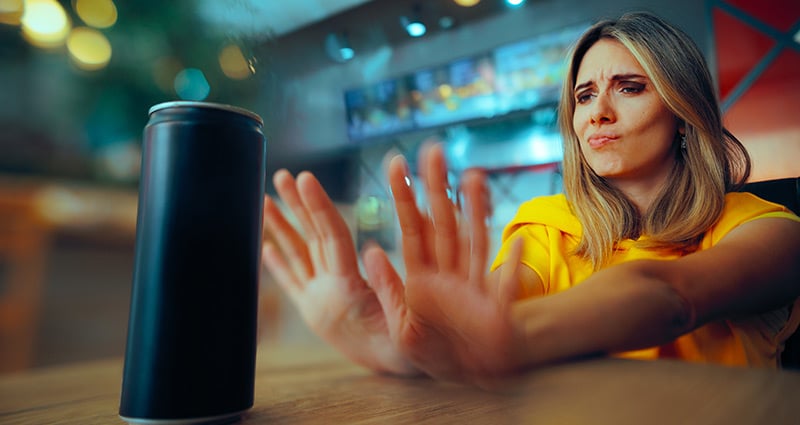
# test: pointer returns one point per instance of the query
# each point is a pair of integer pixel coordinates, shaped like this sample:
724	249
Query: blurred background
341	85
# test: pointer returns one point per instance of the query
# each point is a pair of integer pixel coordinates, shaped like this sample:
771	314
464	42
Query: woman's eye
583	97
632	88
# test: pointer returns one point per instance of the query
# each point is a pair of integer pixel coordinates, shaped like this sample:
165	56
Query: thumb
388	286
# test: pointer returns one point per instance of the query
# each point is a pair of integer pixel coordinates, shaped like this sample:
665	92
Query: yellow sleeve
741	207
549	231
535	252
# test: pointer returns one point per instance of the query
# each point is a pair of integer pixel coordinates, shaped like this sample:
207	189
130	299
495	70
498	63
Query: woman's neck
642	193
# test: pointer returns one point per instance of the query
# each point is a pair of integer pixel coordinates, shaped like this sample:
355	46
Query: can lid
210	105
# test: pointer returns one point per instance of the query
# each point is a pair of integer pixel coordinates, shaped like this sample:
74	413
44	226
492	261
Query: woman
649	253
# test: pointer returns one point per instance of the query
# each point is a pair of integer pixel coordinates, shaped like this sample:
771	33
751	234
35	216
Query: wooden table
311	385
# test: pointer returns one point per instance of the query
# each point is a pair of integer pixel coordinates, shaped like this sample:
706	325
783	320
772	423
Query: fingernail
406	171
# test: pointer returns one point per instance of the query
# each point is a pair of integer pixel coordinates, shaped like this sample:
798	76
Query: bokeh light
191	84
467	3
416	29
233	63
45	23
11	12
88	48
96	13
164	71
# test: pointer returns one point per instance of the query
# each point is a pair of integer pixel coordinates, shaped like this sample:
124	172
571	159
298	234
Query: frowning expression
625	130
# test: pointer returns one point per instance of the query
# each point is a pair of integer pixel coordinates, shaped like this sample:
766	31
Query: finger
464	236
476	194
509	285
280	270
388	287
412	222
286	186
440	197
335	238
288	240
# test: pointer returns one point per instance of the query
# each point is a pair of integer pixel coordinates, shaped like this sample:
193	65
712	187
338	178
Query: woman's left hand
448	319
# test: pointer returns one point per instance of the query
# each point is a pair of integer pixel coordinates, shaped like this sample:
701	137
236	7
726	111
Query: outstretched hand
319	272
449	319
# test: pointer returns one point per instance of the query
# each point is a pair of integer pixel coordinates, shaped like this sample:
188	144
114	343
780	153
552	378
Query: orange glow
233	63
89	48
96	13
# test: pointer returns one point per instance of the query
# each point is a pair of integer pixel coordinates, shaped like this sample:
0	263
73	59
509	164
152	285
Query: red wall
758	64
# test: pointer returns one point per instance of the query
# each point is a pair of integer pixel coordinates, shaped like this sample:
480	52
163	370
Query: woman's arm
455	323
754	268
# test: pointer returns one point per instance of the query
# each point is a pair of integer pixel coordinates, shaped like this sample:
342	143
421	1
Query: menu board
380	109
459	91
530	72
513	77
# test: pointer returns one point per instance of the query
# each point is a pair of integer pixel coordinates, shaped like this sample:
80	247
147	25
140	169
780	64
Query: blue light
347	53
515	3
416	29
191	84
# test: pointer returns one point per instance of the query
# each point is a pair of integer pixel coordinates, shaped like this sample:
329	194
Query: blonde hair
713	163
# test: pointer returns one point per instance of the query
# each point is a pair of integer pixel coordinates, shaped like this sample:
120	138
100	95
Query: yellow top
551	232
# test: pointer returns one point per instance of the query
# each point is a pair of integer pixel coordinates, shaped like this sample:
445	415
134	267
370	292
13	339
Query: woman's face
626	132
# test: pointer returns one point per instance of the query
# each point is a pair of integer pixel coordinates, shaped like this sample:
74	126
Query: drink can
190	355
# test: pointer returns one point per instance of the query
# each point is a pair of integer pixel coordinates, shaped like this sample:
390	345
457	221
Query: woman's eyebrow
582	86
616	77
630	76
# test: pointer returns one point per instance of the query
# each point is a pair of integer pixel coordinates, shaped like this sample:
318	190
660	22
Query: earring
683	141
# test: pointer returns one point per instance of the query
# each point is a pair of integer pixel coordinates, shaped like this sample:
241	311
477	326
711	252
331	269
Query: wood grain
313	385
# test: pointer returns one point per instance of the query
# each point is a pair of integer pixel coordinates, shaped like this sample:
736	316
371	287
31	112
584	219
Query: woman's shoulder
550	210
746	206
741	207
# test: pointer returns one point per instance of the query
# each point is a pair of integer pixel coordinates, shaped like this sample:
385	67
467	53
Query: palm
326	306
447	319
455	334
345	312
319	271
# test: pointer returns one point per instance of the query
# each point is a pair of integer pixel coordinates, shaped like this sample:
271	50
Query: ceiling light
347	53
338	47
415	28
413	24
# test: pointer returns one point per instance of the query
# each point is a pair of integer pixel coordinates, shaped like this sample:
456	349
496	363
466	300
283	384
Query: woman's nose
602	110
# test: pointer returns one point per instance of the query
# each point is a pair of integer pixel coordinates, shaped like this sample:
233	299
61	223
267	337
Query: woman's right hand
319	271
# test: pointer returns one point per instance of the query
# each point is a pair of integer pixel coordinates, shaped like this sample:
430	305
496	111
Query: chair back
781	191
787	193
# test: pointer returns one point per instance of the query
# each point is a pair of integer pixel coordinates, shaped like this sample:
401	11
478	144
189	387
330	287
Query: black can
191	347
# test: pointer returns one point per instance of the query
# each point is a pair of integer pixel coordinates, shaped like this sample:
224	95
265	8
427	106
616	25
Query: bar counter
314	385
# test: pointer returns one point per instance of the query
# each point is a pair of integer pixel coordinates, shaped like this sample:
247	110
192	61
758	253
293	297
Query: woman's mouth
597	141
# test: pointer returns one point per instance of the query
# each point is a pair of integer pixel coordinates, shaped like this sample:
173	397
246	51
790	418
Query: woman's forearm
621	308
